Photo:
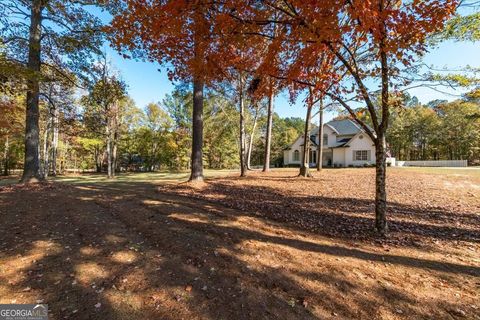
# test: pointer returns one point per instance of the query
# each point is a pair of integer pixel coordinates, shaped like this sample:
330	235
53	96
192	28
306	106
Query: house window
296	155
325	139
361	155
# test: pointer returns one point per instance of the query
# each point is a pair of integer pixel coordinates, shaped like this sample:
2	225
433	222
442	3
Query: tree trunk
320	138
5	156
268	134
109	152
55	142
243	167
31	168
98	159
305	168
197	131
114	154
250	142
46	150
46	146
380	190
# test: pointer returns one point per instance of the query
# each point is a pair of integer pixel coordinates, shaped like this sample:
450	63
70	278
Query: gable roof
342	143
344	127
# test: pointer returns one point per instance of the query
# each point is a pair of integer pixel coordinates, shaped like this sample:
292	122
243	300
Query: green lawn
470	171
141	177
169	176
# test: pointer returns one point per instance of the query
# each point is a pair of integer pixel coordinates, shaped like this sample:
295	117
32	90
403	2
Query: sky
148	82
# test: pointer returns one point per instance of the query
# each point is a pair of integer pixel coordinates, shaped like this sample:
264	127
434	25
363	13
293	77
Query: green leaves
462	28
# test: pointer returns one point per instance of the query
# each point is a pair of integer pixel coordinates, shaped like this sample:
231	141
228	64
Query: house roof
342	142
344	127
312	141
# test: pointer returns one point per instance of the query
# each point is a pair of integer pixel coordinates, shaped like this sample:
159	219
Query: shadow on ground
339	217
124	251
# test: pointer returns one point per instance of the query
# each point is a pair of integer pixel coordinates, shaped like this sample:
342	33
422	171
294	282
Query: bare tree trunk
268	134
5	156
45	153
380	189
74	162
114	158
46	146
381	147
114	155
197	131
31	168
109	152
320	138
99	157
55	142
243	167
305	169
250	142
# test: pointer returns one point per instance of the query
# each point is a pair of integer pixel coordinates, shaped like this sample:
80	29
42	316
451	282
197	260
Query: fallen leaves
340	203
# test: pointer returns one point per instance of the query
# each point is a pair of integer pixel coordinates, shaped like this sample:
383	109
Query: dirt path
126	251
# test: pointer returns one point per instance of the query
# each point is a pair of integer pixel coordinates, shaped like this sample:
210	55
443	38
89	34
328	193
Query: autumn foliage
332	48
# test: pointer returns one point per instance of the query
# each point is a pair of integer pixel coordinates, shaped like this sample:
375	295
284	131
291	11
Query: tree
177	33
256	114
463	27
305	166
268	133
368	40
459	135
157	123
60	35
11	127
104	109
59	97
320	136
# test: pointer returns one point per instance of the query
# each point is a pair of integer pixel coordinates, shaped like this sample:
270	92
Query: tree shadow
144	255
342	218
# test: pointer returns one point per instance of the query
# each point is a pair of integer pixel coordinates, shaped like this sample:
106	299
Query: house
345	144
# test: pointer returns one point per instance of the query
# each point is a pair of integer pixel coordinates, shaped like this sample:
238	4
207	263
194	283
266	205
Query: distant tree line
76	135
438	130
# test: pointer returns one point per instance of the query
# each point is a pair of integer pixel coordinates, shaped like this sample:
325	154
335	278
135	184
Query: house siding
360	144
340	156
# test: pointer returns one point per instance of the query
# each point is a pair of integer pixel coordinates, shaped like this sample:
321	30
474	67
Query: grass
178	176
269	246
470	171
140	177
131	177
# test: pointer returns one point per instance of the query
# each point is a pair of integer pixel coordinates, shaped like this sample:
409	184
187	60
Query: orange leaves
296	41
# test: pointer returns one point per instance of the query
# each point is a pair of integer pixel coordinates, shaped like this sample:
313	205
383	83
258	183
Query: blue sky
148	82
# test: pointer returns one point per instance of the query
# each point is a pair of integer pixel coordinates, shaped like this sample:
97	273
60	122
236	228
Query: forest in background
155	137
158	136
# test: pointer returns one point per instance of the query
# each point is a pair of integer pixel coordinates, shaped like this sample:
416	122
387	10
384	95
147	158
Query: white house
345	144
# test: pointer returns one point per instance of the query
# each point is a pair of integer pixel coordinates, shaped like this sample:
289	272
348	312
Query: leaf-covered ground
142	249
424	208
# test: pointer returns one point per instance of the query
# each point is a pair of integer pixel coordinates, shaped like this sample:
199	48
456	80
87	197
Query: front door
327	158
313	156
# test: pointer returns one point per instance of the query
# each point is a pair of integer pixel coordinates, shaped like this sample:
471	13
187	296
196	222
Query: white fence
433	163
